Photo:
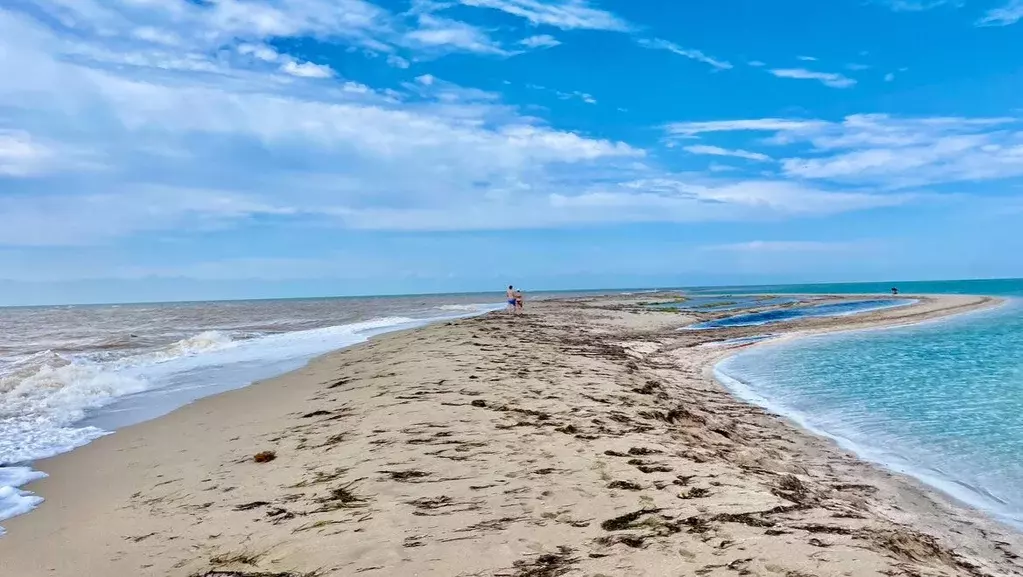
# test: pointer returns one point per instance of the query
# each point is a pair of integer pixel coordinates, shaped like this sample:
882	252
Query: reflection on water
802	312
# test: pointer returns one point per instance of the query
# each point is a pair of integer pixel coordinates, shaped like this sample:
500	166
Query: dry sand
582	438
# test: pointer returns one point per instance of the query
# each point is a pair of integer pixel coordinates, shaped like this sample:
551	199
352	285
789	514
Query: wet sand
586	437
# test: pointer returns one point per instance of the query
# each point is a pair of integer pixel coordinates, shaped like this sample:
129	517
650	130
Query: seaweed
264	456
625	521
547	565
407	476
627	485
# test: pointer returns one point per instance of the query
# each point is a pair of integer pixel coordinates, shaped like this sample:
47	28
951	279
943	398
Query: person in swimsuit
518	301
510	295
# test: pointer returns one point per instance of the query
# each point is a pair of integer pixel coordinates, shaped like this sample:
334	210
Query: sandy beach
585	437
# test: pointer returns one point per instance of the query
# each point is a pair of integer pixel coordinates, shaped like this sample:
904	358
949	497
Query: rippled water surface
802	312
942	401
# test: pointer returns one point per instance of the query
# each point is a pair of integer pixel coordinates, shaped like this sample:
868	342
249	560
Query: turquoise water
942	401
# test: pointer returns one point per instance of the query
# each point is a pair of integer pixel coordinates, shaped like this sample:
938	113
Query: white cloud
575	94
832	79
260	51
307	70
150	34
181	145
667	199
20	155
882	151
444	33
917	5
659	44
756	63
209	26
218	23
564	14
900	153
23	155
806	58
54	220
585	97
540	41
718	151
1006	15
689	129
397	61
857	67
785	246
288	64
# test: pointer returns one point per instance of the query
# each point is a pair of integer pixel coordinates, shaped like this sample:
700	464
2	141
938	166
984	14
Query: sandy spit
585	437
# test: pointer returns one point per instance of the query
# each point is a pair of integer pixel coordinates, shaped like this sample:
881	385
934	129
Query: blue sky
166	149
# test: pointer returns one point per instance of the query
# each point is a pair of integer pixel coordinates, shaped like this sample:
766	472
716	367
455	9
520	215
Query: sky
192	149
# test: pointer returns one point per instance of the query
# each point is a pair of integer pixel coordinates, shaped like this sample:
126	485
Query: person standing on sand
518	301
512	301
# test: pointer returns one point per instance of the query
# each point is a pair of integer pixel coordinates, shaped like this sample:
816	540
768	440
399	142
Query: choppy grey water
71	374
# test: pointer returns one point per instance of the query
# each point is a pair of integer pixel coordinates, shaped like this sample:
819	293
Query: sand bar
586	437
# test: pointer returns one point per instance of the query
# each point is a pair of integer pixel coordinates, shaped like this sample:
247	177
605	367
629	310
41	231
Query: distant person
518	300
895	291
512	300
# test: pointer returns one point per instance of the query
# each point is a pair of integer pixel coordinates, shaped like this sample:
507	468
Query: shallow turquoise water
942	401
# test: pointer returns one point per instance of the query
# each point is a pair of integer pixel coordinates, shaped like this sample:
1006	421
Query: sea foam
44	397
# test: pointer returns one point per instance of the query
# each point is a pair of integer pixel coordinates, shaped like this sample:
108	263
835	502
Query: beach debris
491	525
695	493
547	565
641	451
479	403
316	414
341	498
320	477
626	485
646	467
414	541
332	440
751	519
791	488
627	520
649	388
913	546
837	530
340	383
222	573
279	515
243	558
264	456
251	506
432	502
408	476
317	525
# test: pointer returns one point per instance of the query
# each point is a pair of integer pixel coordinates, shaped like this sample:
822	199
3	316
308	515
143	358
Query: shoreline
108	503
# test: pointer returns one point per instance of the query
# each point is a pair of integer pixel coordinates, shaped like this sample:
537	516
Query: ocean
70	374
941	401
